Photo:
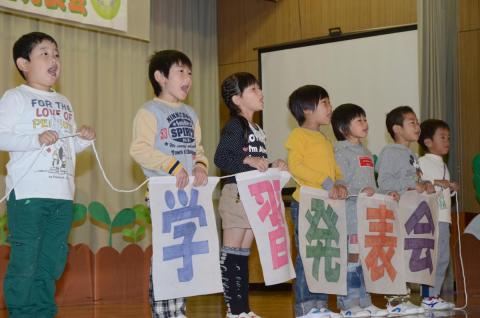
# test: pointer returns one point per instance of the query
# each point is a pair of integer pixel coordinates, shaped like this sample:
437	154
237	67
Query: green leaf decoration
3	238
3	229
3	220
141	218
140	233
142	213
79	212
99	213
124	218
141	208
128	233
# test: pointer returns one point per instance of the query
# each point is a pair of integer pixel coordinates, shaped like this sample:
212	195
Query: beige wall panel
248	24
353	15
469	15
393	12
231	31
469	77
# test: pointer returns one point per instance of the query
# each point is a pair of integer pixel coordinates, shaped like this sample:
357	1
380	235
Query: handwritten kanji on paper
322	235
381	244
185	258
260	193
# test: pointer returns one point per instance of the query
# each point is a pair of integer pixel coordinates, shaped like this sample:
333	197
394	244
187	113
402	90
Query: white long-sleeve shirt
433	168
25	113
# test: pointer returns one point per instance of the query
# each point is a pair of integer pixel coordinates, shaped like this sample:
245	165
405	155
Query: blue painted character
188	248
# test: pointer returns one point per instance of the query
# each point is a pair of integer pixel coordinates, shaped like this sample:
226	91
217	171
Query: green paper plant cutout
101	217
79	214
142	219
3	229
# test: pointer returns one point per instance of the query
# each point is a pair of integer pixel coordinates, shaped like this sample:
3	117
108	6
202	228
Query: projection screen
377	70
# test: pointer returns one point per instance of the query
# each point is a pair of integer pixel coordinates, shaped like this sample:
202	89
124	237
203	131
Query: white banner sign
322	235
104	13
260	193
418	214
381	244
185	259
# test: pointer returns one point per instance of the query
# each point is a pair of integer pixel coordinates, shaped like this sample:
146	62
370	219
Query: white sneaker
243	315
375	311
355	312
403	309
321	313
436	303
420	309
439	314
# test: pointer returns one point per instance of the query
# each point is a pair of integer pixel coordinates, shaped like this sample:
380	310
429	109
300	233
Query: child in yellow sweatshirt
311	162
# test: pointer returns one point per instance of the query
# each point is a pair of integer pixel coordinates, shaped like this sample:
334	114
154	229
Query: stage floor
270	304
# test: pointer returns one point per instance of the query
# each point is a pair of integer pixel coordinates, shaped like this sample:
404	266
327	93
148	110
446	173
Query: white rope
348	196
24	174
108	180
99	164
228	176
223	177
128	190
97	157
30	168
460	254
69	136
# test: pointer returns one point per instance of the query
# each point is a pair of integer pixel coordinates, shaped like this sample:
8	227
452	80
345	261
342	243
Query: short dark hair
162	61
26	43
396	117
428	129
342	116
305	98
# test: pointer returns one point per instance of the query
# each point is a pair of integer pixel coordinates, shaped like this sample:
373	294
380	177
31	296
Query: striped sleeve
200	158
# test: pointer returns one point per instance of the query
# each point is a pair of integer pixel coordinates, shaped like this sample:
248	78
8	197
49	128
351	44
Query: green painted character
320	240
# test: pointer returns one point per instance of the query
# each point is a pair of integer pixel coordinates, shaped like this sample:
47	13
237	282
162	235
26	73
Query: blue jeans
356	292
304	299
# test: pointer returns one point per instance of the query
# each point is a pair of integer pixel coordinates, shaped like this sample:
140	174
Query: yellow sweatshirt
311	159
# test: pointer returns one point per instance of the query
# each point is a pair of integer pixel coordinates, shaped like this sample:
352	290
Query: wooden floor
270	304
